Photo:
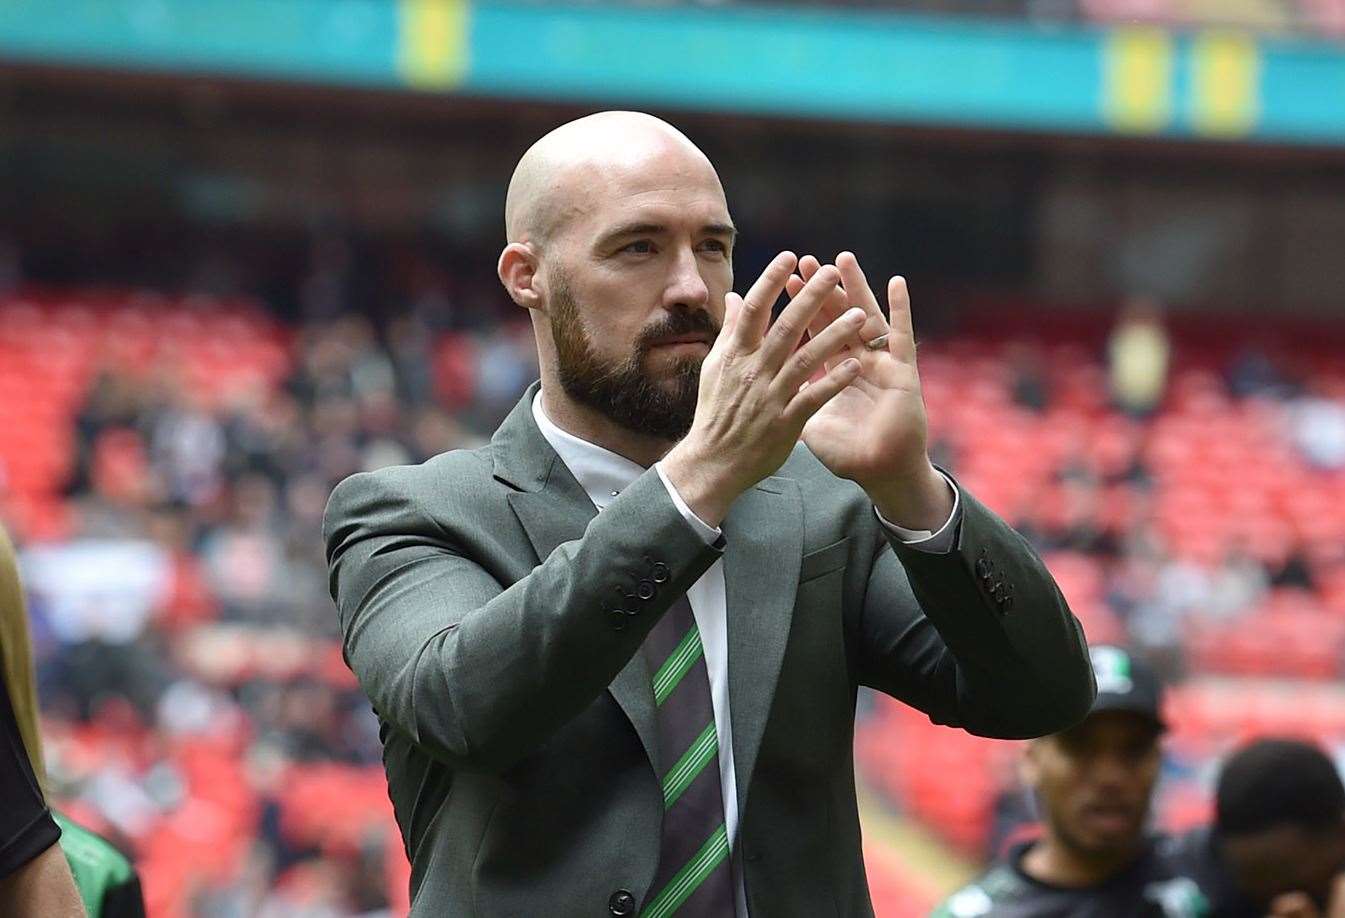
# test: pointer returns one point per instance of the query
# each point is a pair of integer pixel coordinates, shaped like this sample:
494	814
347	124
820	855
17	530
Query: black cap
1126	683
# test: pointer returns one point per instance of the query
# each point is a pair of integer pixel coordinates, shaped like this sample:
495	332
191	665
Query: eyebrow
654	229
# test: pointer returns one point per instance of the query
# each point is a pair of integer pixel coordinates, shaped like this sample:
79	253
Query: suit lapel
553	508
764	536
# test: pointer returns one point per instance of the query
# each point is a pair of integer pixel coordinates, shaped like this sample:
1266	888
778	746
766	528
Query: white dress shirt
603	474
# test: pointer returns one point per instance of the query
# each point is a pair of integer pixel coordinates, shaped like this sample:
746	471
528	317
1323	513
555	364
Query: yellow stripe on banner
1137	79
1225	84
432	42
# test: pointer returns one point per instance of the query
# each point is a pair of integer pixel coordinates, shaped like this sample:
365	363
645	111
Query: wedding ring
877	344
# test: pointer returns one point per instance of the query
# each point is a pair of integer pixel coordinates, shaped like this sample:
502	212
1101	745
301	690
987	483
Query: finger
789	326
757	303
859	293
901	340
813	396
807	267
815	355
832	308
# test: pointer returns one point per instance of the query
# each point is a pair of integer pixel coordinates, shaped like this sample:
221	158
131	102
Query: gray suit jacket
479	595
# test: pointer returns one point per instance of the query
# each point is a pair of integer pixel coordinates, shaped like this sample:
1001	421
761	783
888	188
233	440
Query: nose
1111	771
686	287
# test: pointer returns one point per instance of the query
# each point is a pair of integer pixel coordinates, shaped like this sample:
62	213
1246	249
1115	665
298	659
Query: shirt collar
600	472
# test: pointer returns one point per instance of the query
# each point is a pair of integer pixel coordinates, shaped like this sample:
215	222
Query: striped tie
693	875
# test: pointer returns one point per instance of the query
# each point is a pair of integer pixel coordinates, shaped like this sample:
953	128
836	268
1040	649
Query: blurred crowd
189	596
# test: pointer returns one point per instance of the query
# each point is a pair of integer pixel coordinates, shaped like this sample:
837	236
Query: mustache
678	323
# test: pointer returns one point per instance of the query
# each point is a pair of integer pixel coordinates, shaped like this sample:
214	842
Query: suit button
1006	604
661	572
984	568
621	903
618	618
645	590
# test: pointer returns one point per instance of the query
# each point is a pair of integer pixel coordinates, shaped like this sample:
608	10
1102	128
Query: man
615	653
1093	784
1277	846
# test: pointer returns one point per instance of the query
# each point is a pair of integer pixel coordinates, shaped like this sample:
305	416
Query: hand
753	401
875	431
1300	905
1293	905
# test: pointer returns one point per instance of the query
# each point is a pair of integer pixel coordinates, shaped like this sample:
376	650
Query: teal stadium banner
884	67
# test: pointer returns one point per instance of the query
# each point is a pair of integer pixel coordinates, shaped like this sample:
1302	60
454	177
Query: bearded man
615	653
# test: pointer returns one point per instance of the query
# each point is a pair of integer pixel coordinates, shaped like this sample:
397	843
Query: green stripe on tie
702	752
679	662
690	877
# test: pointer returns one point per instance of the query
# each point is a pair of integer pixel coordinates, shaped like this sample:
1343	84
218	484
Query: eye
715	245
639	247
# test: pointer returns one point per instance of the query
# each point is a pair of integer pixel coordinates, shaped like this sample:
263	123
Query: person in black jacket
1093	784
1277	846
103	877
34	877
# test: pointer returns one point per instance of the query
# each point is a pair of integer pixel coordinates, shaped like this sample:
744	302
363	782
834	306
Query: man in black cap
1093	784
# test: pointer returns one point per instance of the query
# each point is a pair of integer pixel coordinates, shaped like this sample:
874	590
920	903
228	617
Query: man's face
1285	859
1095	781
635	282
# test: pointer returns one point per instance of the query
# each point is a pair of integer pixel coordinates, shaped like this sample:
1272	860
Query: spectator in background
1277	846
35	880
1094	784
1254	373
1028	385
1237	586
1317	425
1137	356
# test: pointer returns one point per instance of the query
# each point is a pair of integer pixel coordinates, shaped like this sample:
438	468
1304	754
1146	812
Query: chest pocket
825	560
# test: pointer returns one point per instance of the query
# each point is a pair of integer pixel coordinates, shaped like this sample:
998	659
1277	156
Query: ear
518	271
1029	766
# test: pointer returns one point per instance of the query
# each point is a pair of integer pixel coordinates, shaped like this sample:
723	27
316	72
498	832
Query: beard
622	390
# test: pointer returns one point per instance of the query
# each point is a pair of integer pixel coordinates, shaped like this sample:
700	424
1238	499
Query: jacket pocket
824	560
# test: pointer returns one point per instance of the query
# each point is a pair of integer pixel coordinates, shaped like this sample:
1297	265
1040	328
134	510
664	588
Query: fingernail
854	313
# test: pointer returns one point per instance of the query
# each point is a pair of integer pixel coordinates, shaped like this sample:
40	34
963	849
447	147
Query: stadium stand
185	446
1324	18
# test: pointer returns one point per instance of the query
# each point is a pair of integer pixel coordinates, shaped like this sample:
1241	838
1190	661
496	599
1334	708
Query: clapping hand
875	432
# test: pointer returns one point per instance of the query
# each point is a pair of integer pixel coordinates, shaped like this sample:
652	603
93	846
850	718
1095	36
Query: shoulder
398	490
1194	856
442	473
995	888
89	853
1191	854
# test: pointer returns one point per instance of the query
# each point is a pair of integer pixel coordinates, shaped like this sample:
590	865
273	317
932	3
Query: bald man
615	653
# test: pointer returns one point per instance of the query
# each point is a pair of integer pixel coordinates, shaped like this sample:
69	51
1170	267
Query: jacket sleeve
989	643
480	672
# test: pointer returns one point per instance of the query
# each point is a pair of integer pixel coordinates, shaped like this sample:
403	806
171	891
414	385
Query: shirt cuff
703	529
937	542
